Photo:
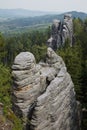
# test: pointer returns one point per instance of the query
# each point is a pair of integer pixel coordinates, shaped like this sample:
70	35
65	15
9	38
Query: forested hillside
75	58
22	24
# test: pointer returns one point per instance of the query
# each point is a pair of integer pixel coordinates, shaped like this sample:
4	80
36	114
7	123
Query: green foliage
39	52
73	60
5	98
17	123
78	26
82	38
33	42
5	80
2	48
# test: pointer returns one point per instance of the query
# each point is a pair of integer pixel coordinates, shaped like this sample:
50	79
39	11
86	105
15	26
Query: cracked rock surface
43	93
60	32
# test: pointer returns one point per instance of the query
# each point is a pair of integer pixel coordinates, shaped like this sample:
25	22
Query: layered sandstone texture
61	31
43	93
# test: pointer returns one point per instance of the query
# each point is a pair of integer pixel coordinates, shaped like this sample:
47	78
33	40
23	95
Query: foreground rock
61	31
44	93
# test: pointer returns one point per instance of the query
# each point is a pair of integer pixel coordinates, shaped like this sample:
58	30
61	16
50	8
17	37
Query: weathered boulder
44	93
26	86
60	32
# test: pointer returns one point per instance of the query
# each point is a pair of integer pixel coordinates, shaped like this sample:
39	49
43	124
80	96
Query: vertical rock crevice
44	93
61	31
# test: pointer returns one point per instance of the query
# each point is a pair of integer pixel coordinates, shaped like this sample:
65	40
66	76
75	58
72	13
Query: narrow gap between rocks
29	126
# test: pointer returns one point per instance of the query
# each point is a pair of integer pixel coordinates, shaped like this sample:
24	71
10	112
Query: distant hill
80	15
21	13
15	13
22	23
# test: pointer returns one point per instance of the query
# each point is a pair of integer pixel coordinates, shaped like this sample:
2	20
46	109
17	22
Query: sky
46	5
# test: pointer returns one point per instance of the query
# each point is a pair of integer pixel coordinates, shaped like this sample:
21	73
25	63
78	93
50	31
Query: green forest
75	58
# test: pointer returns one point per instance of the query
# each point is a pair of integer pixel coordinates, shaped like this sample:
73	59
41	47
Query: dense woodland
75	58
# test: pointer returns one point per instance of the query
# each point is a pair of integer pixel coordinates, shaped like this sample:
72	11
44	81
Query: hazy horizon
48	11
46	5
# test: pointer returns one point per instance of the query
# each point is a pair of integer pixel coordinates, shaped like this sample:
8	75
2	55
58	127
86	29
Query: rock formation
44	93
60	32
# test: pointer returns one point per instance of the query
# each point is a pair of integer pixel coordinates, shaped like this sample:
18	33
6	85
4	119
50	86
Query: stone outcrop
60	32
44	93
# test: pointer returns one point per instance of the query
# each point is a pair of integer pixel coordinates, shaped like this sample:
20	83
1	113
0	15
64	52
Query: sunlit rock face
61	31
43	93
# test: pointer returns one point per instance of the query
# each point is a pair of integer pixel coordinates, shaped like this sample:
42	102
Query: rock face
44	93
60	32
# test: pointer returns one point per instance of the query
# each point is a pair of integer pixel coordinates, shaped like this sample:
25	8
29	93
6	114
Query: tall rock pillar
43	94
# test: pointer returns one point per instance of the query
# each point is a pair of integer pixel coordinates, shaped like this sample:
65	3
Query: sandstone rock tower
44	93
60	32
